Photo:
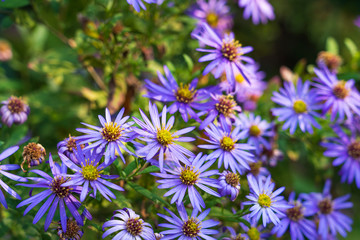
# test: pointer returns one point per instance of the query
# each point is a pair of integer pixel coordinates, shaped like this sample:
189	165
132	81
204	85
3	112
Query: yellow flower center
111	132
134	226
253	233
56	187
227	144
232	179
191	228
226	105
90	172
300	106
340	91
254	131
184	94
354	150
264	200
212	19
239	78
164	137
188	176
230	50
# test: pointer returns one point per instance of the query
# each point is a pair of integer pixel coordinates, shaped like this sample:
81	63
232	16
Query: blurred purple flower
299	107
14	110
137	4
357	22
339	96
260	10
227	55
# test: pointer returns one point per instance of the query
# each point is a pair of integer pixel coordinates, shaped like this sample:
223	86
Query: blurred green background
71	59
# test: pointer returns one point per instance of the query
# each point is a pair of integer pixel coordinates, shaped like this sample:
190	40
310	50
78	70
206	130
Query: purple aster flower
299	107
213	12
266	202
339	96
68	147
257	131
229	183
227	55
185	179
88	174
186	227
73	231
260	10
247	94
296	222
159	138
58	197
184	97
357	22
328	212
111	135
224	143
346	150
14	110
222	106
137	4
129	226
3	171
255	231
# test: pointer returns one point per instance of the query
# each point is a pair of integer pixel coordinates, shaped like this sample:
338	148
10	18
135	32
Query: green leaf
189	62
14	3
351	46
332	46
149	170
131	167
147	193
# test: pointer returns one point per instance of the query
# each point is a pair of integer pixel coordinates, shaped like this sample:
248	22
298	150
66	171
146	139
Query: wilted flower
260	10
5	51
14	110
130	226
33	154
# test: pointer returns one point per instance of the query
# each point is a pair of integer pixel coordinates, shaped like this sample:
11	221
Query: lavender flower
260	10
68	147
213	12
224	143
328	212
137	4
88	174
227	55
184	179
265	203
296	222
222	106
129	226
185	97
256	130
111	135
159	138
299	107
14	110
3	171
357	22
346	150
229	183
339	96
58	197
188	227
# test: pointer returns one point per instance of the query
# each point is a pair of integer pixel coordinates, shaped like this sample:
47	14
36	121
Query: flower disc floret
264	200
232	179
56	187
212	19
296	213
111	132
134	226
340	91
16	105
253	234
227	143
325	206
354	150
164	137
255	131
90	172
230	50
300	106
188	176
191	227
73	230
184	94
